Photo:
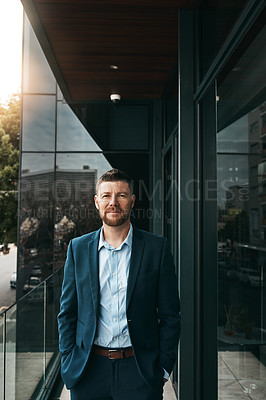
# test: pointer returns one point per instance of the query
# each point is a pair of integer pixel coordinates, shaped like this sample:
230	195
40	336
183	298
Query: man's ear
133	200
96	202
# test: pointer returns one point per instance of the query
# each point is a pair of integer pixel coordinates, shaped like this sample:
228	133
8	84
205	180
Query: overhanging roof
82	39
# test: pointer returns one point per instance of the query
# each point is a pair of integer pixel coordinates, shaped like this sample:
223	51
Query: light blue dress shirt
112	328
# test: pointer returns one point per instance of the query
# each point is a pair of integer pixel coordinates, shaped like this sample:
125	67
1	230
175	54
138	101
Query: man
119	322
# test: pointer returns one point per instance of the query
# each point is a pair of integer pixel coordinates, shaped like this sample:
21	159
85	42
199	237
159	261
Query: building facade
189	130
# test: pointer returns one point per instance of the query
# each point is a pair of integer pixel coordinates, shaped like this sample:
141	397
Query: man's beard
115	222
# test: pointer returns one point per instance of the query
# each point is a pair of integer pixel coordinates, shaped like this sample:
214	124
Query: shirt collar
128	240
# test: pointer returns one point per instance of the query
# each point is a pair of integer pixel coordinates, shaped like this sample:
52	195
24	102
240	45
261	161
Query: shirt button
114	338
114	274
114	319
114	296
114	252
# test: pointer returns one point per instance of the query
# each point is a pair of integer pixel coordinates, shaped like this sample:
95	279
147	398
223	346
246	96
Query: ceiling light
113	66
115	97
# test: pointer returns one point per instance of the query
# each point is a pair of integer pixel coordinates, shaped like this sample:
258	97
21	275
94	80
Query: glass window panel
71	134
30	356
37	75
32	163
11	320
241	272
242	246
235	138
38	125
36	218
83	162
53	291
241	221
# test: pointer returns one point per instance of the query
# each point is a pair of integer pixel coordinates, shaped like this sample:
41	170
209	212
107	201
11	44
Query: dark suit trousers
106	379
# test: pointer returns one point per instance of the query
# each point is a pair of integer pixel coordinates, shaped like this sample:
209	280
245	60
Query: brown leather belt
113	354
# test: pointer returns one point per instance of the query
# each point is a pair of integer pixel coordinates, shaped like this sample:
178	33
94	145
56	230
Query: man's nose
113	199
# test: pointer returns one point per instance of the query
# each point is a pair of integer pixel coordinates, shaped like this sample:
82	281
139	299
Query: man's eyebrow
116	193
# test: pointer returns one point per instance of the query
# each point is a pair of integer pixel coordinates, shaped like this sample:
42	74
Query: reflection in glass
36	220
38	125
76	177
53	291
11	365
83	162
30	367
71	134
37	75
235	137
34	163
242	256
31	342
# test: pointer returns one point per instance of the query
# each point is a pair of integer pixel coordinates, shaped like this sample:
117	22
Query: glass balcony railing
29	356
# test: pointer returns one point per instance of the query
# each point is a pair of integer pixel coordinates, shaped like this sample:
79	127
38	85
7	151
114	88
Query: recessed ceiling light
113	66
115	97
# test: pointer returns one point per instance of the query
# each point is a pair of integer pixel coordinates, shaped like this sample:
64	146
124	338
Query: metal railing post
4	357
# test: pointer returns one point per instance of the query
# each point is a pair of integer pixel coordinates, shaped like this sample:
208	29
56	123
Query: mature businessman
119	321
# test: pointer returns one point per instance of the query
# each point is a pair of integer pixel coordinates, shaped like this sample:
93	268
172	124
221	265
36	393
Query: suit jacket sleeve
67	318
168	310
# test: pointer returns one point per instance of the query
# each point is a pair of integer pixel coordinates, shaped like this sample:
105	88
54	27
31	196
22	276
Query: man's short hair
115	175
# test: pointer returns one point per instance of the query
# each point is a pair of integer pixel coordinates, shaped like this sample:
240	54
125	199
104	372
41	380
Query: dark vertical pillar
186	204
197	226
207	283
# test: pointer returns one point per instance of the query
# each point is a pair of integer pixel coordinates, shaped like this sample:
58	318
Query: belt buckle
110	354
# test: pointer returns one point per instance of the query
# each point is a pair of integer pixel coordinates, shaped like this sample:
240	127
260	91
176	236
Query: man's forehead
114	185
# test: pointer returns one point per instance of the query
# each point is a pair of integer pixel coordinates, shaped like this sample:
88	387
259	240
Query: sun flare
10	48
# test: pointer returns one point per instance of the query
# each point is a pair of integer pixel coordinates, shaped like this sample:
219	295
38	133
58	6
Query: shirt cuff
166	375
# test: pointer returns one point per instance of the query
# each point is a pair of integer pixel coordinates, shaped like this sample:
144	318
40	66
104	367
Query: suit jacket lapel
94	270
136	255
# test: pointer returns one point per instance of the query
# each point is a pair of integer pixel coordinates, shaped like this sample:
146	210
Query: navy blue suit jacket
152	306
